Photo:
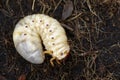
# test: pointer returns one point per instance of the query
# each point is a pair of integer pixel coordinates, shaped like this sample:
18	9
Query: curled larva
33	29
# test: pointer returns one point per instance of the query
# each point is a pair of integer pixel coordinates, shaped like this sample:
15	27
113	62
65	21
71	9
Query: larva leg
48	52
51	61
58	61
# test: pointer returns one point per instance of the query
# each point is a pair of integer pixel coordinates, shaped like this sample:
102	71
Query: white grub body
34	29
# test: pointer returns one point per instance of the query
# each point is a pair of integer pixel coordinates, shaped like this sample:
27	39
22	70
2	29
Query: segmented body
34	29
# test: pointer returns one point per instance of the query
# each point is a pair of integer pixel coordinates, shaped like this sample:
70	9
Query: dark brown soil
93	30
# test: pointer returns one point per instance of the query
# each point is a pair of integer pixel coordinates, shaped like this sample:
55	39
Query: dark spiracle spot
47	24
40	20
52	37
53	43
26	26
61	54
50	30
25	34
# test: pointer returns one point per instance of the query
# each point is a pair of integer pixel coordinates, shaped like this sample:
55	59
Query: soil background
93	30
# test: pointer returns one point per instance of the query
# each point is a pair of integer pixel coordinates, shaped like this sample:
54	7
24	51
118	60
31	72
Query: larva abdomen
27	42
31	30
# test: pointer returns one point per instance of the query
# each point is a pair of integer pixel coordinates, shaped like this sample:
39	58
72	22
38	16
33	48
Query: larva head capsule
62	52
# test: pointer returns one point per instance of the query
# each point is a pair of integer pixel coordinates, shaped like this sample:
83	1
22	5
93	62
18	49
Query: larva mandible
33	29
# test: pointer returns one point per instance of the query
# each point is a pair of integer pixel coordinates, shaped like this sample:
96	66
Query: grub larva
33	30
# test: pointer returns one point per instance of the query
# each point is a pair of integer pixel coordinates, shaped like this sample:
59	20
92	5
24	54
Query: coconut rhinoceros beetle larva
32	30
